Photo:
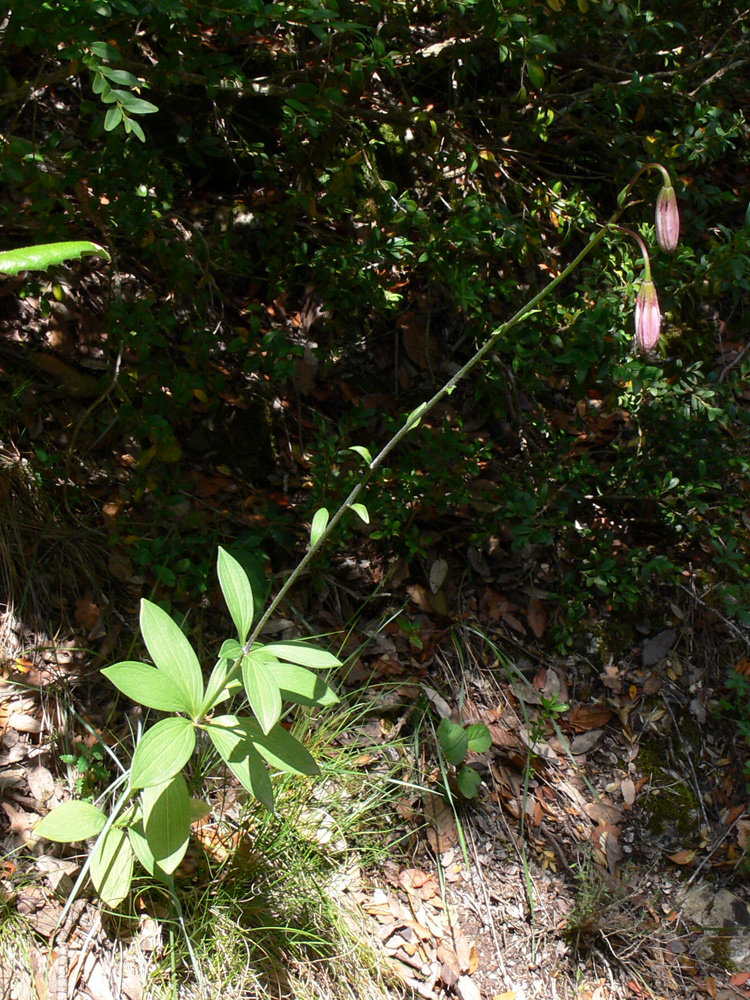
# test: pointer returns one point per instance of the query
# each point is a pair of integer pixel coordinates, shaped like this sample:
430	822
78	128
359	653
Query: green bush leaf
302	686
112	867
262	691
71	821
319	522
131	125
241	757
301	653
120	76
468	782
37	258
480	738
134	105
113	117
162	751
148	686
237	592
166	821
172	653
453	740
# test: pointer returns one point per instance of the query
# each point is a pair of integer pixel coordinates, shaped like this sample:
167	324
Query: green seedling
456	742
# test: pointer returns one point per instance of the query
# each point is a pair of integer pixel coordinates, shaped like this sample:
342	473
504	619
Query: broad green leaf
361	510
468	782
112	866
231	649
71	821
362	452
480	738
162	751
37	258
279	747
300	652
241	758
319	522
166	821
217	689
113	117
141	847
262	691
302	686
198	810
453	740
148	686
237	592
172	653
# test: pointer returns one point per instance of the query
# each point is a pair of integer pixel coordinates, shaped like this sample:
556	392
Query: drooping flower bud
667	219
647	317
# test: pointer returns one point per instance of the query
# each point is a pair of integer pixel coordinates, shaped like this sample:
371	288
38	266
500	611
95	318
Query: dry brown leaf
611	678
603	812
19	820
87	613
658	647
41	784
586	741
536	616
682	857
628	791
585	717
442	833
24	723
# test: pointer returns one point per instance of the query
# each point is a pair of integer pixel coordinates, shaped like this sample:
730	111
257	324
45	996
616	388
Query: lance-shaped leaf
38	258
262	690
166	821
241	757
162	751
172	653
302	686
112	866
303	654
279	747
237	592
149	687
71	821
319	523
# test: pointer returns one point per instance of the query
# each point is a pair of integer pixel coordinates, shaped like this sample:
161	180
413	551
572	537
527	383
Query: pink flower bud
667	219
647	317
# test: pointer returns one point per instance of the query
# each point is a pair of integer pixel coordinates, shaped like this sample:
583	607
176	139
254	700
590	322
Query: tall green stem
411	423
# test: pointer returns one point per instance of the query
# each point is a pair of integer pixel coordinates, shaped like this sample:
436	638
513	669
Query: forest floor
605	855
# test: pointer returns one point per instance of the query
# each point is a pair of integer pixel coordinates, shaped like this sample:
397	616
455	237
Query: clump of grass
272	919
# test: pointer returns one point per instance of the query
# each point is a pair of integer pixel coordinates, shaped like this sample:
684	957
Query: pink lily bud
647	317
667	219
